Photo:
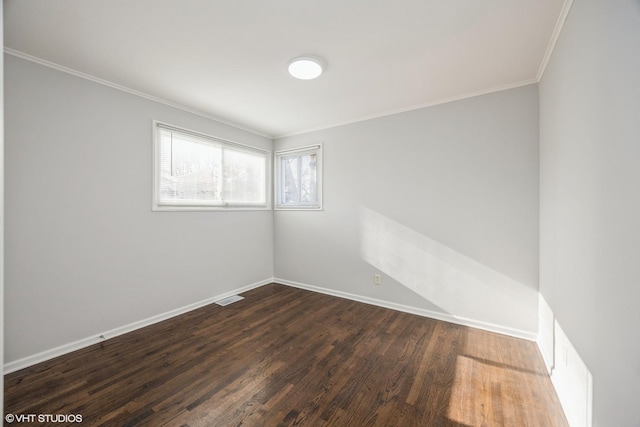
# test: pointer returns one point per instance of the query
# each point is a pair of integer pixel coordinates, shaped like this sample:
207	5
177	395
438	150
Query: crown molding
128	90
564	13
414	107
562	18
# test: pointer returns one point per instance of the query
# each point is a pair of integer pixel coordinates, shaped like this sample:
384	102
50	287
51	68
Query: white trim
128	90
564	13
477	324
222	208
562	19
298	149
43	356
293	208
414	107
554	38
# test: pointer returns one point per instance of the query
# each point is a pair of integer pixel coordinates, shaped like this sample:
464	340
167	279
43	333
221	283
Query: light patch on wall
569	374
459	285
546	339
572	380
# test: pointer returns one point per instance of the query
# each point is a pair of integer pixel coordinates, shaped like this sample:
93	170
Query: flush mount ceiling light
305	68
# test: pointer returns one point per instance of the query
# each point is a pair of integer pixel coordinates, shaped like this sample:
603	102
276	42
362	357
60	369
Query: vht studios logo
43	418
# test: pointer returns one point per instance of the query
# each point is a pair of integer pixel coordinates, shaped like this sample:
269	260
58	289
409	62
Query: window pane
190	170
308	179
290	187
196	172
244	174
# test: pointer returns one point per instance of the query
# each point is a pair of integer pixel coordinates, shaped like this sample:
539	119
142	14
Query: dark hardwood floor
284	356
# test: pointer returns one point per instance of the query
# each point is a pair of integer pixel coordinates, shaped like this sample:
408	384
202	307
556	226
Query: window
199	172
299	178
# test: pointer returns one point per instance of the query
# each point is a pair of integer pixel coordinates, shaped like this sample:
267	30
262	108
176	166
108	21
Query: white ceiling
229	58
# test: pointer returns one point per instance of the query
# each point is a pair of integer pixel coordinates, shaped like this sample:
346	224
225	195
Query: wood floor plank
289	357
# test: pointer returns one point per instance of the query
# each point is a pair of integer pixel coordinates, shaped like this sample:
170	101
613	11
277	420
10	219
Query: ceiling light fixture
305	68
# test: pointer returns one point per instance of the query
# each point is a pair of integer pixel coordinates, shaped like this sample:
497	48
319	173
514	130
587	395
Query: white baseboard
85	342
25	362
517	333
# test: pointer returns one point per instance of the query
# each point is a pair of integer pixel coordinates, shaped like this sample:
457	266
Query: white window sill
208	208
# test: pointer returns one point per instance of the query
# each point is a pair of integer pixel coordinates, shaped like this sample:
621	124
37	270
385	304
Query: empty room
320	213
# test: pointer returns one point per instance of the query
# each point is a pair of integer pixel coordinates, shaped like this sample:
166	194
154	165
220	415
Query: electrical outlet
377	279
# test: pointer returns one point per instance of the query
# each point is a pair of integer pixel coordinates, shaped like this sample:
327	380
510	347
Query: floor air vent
229	300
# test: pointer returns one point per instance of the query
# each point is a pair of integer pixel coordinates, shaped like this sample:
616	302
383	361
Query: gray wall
590	198
84	252
443	201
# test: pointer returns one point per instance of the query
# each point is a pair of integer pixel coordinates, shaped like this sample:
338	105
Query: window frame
277	192
157	206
